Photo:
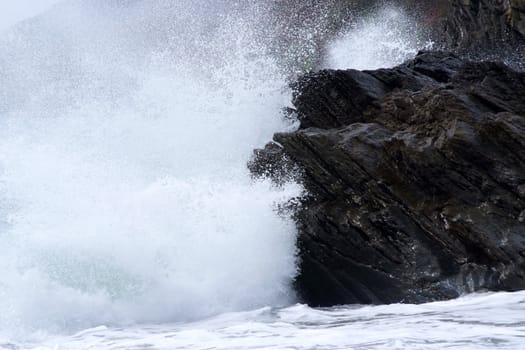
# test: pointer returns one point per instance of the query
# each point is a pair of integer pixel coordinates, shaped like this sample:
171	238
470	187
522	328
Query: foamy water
127	212
124	139
491	321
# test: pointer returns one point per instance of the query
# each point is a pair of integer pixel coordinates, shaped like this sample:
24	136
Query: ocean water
128	218
484	321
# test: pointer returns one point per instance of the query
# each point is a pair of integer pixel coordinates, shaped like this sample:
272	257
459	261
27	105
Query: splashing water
383	39
124	138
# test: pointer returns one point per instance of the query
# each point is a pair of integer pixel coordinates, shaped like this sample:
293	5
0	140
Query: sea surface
482	321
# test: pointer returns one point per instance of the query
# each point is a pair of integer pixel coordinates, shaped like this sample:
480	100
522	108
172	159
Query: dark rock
484	23
271	162
416	181
334	98
485	29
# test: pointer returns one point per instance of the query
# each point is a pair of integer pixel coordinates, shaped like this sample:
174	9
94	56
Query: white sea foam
485	321
124	138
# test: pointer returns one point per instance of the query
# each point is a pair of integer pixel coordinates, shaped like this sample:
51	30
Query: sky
13	11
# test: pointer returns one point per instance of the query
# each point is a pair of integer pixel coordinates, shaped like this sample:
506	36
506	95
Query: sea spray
125	135
383	38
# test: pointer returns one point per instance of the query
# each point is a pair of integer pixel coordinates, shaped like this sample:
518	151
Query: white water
124	139
126	204
491	321
12	12
384	38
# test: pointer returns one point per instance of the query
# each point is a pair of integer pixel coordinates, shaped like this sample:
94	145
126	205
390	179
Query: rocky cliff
416	181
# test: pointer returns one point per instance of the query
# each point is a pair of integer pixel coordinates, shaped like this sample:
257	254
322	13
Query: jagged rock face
484	23
416	178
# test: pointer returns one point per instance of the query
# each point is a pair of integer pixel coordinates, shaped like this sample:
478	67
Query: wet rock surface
485	29
484	23
416	181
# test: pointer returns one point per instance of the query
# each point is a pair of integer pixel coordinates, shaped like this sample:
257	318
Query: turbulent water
491	321
125	133
125	200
